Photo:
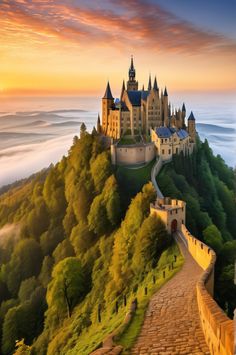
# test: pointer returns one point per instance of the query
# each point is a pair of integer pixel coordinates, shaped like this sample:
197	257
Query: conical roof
191	116
149	83
155	86
108	94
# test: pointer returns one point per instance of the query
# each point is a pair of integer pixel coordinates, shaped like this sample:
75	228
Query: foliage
66	289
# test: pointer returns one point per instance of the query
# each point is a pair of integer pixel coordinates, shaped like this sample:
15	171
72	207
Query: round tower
107	104
192	127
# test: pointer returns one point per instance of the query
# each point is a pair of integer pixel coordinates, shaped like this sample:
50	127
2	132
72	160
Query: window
163	151
169	151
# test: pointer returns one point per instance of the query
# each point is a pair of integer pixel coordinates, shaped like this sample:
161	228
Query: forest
72	240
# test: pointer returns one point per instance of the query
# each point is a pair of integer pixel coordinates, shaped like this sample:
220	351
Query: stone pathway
172	324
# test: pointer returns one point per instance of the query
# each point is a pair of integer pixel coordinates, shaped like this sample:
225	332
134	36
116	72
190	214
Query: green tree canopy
67	287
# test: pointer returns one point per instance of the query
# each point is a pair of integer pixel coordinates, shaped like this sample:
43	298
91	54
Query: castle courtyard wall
132	154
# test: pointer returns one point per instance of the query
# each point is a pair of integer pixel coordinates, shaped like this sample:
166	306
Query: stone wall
132	154
217	327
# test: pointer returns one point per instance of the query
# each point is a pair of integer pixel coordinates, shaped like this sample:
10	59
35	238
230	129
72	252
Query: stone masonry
172	324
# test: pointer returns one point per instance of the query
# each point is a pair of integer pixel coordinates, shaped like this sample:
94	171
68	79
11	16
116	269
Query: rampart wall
132	154
217	327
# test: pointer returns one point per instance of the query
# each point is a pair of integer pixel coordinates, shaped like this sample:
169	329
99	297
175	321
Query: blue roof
182	133
144	94
135	97
166	132
163	132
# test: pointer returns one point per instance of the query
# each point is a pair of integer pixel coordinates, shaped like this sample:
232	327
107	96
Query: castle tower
165	108
192	127
107	103
132	84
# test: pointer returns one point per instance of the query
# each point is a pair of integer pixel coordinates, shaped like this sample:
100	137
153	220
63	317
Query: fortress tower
107	104
192	127
132	84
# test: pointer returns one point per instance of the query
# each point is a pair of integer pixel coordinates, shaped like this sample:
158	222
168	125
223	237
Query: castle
145	113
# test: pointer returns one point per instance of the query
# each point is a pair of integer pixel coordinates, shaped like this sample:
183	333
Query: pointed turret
155	86
192	127
122	89
132	84
150	83
165	92
108	94
183	108
191	117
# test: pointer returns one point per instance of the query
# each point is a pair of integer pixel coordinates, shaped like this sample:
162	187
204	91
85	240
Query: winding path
172	323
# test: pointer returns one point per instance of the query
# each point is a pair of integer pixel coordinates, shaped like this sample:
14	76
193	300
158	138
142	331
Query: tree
112	200
46	270
81	238
97	218
213	238
100	170
63	250
25	262
50	239
83	130
26	289
152	240
67	287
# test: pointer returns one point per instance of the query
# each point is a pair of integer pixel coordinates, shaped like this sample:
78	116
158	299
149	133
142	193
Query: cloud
133	23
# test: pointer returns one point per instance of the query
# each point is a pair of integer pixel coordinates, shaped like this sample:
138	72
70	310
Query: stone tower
192	127
132	84
165	108
107	104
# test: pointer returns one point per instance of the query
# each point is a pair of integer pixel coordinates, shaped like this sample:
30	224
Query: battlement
217	327
171	212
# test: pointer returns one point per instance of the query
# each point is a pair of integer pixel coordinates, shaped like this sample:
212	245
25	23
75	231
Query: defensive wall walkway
182	317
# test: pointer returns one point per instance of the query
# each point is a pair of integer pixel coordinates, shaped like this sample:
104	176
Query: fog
35	132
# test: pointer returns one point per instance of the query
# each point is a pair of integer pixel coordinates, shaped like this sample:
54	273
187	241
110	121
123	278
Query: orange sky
73	47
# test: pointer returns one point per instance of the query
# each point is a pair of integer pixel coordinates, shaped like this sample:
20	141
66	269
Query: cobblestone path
172	324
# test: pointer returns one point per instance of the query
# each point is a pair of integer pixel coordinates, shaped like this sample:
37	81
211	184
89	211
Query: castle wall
169	210
132	154
217	327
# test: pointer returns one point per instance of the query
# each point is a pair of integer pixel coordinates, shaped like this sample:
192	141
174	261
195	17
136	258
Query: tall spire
165	92
155	87
132	70
149	83
183	108
108	94
122	89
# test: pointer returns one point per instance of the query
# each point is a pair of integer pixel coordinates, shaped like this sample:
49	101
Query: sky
66	47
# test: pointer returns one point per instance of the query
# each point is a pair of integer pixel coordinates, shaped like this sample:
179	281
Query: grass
128	337
92	336
131	180
128	140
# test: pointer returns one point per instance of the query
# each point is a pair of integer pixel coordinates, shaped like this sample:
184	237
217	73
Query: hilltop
76	240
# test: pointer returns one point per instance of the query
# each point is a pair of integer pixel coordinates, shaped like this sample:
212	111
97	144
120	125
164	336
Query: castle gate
174	226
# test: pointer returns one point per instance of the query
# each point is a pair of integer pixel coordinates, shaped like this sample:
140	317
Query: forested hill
207	185
72	240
